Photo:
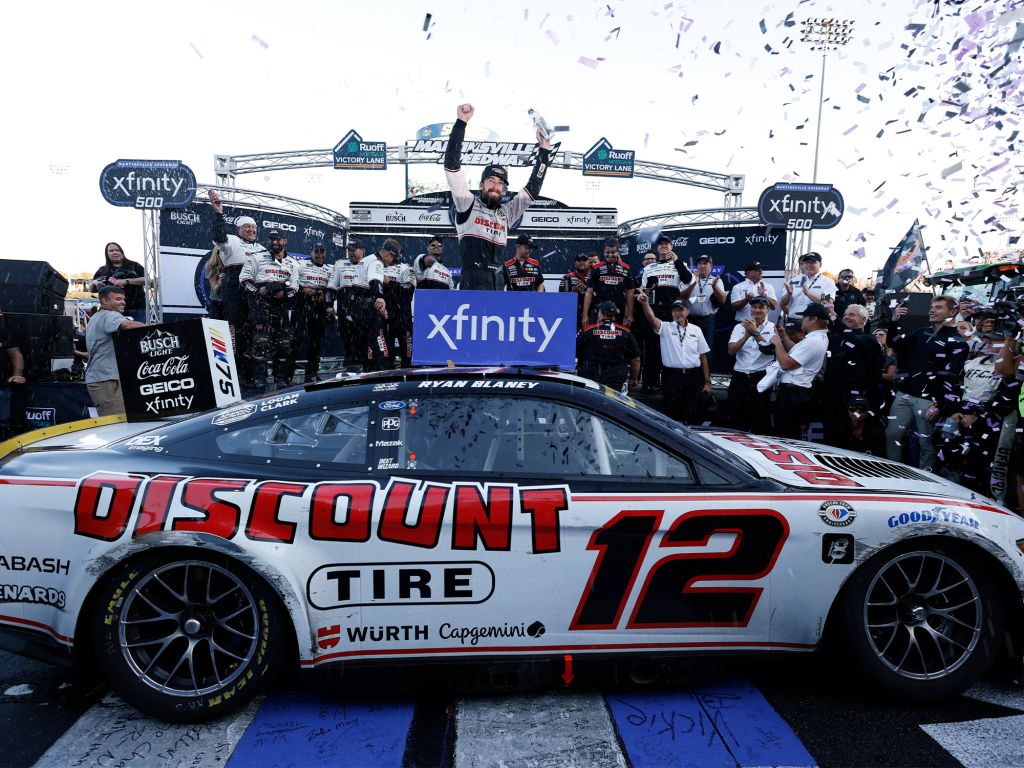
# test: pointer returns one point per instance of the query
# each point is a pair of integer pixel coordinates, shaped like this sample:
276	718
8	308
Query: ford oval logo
392	405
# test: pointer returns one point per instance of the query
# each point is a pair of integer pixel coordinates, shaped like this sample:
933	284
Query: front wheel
921	624
188	639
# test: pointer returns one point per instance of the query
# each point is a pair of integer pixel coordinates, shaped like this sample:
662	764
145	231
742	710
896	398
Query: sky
919	120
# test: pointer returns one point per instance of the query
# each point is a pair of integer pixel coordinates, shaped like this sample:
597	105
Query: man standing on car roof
483	222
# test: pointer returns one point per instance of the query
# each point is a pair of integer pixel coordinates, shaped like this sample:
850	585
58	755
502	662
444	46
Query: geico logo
717	240
278	225
552	219
160	387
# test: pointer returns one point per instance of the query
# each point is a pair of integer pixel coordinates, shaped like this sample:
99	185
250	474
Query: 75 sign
670	596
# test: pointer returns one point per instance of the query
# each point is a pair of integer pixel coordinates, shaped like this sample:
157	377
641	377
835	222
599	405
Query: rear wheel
922	623
188	639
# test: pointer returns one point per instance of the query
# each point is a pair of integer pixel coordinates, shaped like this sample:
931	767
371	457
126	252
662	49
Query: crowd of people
943	396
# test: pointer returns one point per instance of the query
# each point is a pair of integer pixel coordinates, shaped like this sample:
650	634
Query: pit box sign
602	160
353	152
801	206
148	184
176	368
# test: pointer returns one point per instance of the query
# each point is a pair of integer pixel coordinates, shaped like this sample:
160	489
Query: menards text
109	504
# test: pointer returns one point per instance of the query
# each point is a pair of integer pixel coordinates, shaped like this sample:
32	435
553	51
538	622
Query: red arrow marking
568	676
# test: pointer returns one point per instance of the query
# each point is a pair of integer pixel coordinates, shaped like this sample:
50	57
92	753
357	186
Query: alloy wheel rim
923	615
188	628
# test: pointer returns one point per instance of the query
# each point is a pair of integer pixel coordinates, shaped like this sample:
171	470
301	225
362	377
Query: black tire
921	621
188	637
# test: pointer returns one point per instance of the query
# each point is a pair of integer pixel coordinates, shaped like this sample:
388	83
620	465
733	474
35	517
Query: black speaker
41	338
32	287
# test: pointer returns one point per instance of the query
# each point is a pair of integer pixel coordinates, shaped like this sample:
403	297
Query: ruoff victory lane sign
148	184
801	206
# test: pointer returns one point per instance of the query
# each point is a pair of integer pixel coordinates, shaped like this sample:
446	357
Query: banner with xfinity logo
176	368
494	328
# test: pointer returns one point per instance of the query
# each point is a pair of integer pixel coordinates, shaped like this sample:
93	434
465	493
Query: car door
568	529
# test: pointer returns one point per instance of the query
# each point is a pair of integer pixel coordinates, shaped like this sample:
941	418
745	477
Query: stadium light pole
827	34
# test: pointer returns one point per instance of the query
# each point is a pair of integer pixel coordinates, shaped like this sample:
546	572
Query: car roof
455	372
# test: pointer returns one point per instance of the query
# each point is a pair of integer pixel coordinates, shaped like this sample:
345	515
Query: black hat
581	257
817	310
754	265
608	308
525	239
353	244
792	326
811	256
705	257
495	170
275	235
760	300
681	304
319	247
663	239
390	248
435	238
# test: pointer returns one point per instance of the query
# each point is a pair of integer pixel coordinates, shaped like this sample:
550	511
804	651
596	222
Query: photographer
932	361
750	343
125	274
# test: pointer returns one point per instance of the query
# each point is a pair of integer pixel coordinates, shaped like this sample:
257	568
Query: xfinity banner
801	206
494	328
148	184
176	368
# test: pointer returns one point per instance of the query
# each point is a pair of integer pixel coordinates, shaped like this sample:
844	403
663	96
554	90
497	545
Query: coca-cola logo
172	366
430	217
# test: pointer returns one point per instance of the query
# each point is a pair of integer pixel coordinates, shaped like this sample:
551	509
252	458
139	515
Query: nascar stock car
483	515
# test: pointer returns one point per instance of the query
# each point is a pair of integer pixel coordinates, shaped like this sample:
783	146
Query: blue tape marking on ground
723	724
307	729
666	728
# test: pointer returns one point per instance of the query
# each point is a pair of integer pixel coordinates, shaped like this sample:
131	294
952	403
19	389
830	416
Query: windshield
686	433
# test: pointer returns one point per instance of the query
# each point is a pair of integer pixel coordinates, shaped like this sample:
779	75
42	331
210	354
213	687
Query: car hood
811	465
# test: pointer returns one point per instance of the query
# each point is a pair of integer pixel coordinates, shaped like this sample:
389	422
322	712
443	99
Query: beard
491	197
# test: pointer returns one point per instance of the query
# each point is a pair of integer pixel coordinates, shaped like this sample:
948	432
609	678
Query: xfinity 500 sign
148	184
494	328
801	206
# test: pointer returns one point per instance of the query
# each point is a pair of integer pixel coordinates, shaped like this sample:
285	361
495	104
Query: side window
528	437
328	436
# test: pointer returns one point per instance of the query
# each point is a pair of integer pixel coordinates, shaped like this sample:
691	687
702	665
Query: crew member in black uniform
271	281
13	378
314	311
483	223
609	281
576	282
522	273
369	308
607	352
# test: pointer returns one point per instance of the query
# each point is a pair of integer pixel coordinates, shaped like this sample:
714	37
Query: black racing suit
523	275
604	352
575	282
483	230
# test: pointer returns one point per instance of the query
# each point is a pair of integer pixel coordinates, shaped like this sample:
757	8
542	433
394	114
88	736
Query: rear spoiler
20	442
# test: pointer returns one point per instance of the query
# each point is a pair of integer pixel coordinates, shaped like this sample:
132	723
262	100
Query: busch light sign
148	184
801	206
494	328
602	160
353	152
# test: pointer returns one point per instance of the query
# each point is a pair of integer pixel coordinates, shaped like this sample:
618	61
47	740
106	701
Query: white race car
482	515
